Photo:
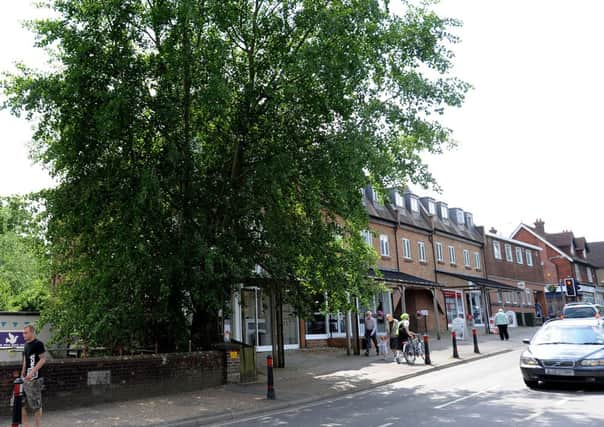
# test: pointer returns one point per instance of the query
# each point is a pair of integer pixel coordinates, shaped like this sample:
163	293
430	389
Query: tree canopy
24	260
195	142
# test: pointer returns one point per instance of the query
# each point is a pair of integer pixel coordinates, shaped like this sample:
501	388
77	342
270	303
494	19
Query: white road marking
386	425
444	405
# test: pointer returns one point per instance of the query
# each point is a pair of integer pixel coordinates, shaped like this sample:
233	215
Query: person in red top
34	358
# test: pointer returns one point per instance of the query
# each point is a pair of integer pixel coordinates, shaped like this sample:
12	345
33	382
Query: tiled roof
596	254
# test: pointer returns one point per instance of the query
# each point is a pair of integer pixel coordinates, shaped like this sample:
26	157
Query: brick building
563	255
596	259
517	264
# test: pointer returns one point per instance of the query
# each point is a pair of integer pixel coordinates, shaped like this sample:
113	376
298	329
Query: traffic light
570	287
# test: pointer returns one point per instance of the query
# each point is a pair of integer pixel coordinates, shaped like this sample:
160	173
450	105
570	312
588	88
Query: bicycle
412	349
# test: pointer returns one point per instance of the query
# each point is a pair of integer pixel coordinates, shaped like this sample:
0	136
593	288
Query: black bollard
454	340
17	402
270	391
475	338
427	350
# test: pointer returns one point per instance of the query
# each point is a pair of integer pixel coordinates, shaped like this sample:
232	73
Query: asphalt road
483	393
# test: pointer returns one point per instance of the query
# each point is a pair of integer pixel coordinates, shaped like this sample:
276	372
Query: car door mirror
526	341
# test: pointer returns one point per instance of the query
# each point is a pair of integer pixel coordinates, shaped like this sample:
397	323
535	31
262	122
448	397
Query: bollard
427	350
17	402
454	340
270	390
475	338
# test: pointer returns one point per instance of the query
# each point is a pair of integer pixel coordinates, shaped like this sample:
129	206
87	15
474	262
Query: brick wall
83	382
459	245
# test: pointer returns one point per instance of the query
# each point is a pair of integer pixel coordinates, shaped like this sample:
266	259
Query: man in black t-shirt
34	358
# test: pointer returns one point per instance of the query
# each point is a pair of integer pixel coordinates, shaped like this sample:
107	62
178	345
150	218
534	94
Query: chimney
493	230
540	226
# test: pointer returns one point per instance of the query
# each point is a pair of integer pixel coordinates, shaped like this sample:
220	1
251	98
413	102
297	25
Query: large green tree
24	259
194	140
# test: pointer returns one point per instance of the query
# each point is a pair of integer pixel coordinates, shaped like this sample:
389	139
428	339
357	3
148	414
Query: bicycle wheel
409	353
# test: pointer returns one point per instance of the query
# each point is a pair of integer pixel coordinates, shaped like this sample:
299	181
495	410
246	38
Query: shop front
252	321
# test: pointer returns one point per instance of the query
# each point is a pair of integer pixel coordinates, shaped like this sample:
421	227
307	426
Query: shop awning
403	279
478	281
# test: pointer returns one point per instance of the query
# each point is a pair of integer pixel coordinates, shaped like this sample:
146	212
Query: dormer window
398	199
444	212
460	217
431	207
414	204
374	196
469	220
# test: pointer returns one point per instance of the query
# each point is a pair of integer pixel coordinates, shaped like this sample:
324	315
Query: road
483	393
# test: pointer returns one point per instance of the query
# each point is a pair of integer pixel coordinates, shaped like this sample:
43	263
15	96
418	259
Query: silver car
569	350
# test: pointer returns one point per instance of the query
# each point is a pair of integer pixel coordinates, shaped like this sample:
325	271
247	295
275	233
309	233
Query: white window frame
407	249
367	237
507	297
452	257
578	272
497	250
590	276
466	258
421	247
414	204
384	245
477	262
499	296
529	258
528	297
440	256
519	255
398	199
444	212
509	255
522	298
432	208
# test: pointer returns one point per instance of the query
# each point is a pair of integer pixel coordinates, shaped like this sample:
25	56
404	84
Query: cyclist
404	333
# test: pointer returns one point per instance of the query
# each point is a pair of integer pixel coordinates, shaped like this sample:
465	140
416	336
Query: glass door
476	308
256	321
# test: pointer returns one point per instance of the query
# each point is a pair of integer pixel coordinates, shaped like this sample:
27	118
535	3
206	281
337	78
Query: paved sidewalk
309	375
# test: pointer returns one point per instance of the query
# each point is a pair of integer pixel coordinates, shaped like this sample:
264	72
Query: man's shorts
33	394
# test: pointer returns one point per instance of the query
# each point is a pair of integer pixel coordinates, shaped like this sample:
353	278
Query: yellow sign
234	354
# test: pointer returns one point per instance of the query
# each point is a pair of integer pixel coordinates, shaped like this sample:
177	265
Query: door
476	308
256	321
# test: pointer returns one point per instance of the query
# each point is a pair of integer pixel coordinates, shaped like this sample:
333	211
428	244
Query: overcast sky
529	135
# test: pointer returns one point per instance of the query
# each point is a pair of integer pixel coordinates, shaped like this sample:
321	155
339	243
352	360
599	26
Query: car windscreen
569	334
579	312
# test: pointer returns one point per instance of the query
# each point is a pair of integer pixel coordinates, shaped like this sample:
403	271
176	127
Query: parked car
566	350
575	310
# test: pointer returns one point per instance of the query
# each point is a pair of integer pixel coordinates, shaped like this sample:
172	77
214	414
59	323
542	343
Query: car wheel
533	384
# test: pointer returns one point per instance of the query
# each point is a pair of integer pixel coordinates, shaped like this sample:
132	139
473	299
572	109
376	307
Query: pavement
310	375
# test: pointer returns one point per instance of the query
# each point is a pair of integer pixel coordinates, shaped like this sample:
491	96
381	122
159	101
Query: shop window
317	324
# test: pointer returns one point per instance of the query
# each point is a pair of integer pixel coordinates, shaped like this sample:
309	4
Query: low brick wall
83	382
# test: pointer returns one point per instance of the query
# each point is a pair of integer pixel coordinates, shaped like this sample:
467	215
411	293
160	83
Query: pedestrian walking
34	358
391	333
370	333
502	321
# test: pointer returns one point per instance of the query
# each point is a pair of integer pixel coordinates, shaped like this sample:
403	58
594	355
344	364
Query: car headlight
527	360
592	362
